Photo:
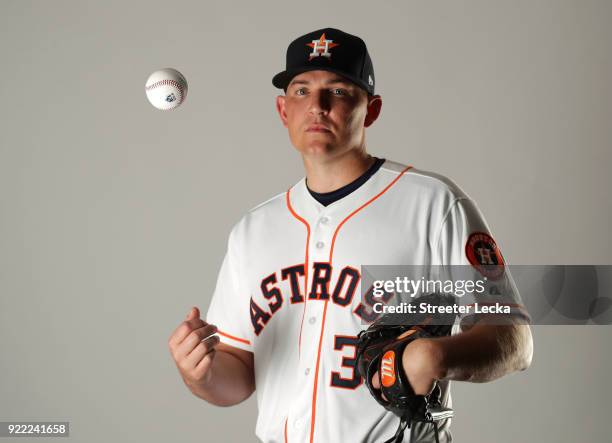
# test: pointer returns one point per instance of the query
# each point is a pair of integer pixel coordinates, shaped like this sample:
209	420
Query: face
326	114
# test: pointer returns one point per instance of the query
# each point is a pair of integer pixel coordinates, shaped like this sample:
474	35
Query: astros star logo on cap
321	47
313	51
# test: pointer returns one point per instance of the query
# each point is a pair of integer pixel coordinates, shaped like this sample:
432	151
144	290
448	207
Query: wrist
197	387
428	355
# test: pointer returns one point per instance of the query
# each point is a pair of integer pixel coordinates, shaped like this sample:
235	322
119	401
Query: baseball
166	89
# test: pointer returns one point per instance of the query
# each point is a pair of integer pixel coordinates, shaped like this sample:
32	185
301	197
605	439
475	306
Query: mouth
317	128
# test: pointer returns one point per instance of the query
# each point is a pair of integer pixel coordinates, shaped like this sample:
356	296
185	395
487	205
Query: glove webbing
399	435
432	399
404	423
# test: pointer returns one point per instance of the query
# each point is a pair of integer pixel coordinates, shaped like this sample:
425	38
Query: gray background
114	215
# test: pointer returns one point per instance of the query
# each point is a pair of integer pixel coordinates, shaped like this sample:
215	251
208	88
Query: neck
327	175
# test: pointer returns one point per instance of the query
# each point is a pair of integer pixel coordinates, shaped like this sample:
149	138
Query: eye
300	91
339	91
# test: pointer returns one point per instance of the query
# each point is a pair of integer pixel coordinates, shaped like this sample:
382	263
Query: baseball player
287	308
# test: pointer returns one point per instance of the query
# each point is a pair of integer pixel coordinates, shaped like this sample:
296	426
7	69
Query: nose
319	102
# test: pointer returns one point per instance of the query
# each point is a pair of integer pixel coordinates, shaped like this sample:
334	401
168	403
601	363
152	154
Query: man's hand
421	362
482	353
192	345
214	371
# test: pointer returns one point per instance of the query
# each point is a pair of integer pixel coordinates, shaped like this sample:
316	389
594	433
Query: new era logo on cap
331	50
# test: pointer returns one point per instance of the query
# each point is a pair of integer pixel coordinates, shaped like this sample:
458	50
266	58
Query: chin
316	148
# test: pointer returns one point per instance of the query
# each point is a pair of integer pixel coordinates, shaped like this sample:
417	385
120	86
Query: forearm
485	352
230	382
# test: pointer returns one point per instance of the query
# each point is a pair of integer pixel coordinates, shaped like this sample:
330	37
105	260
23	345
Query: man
286	310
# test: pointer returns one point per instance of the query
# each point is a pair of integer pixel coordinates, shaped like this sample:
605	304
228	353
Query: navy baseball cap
331	50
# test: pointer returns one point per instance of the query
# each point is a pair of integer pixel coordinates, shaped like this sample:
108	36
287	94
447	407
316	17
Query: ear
280	108
374	106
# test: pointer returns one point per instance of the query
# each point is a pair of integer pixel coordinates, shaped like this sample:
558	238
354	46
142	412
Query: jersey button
297	423
324	220
312	320
320	245
307	371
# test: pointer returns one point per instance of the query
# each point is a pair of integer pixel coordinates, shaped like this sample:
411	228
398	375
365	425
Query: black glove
380	348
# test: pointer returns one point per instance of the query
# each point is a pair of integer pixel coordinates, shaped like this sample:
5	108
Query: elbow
524	350
515	347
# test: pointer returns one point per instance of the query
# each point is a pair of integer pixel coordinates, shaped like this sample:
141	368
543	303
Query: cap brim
282	79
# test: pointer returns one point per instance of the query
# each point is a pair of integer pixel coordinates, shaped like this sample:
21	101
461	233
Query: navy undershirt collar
327	198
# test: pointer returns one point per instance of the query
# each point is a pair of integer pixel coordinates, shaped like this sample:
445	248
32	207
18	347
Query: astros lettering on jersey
288	291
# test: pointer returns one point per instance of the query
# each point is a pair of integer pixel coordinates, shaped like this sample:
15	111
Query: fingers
194	339
188	336
195	364
191	322
204	364
201	337
192	345
376	381
376	384
201	351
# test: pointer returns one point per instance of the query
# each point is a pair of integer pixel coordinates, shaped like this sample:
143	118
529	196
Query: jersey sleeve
229	307
467	251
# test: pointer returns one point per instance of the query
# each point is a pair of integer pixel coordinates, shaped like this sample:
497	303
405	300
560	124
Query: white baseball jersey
288	291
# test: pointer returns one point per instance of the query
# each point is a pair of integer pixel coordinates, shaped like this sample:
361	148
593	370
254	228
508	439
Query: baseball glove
380	349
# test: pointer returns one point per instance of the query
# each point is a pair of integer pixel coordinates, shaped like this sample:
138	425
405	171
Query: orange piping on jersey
305	265
316	378
286	441
241	340
331	254
360	208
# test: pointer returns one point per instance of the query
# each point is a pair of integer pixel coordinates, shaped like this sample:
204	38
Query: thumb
193	313
375	381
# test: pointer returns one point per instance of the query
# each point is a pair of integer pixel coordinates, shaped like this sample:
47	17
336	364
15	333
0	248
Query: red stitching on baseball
168	82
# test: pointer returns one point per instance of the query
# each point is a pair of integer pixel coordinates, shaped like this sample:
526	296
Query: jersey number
350	362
